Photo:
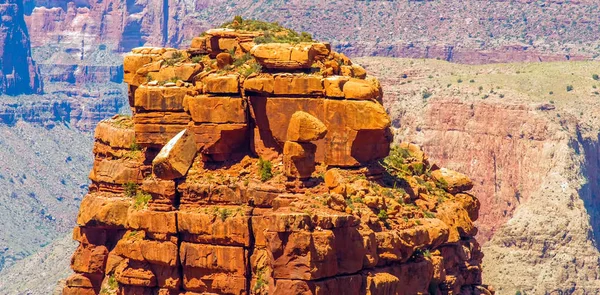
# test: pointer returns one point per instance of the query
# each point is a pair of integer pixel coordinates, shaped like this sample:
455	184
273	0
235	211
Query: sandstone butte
265	168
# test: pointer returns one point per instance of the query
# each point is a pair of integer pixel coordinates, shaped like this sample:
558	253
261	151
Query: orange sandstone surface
266	168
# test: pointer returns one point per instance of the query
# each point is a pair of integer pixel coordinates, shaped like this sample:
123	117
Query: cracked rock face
248	178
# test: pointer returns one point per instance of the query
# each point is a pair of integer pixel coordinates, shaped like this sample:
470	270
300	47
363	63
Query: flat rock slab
176	156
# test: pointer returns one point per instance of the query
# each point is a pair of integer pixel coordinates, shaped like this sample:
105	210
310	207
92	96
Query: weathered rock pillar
298	151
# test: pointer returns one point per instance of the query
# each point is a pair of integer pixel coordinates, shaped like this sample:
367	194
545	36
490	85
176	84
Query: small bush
238	19
260	280
130	189
197	59
265	169
427	94
131	234
382	215
177	55
459	81
441	183
350	204
395	162
551	92
242	60
135	147
112	283
357	200
254	68
428	214
595	77
569	88
141	200
175	58
272	32
111	286
471	81
224	213
174	79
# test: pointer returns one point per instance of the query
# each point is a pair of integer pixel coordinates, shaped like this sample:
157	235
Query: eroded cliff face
263	168
534	161
533	181
18	72
121	25
505	31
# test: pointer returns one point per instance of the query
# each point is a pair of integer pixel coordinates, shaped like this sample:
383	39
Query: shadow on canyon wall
590	191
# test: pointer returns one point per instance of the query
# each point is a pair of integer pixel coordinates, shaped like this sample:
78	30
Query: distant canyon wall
468	32
119	24
18	72
537	181
456	54
535	169
79	109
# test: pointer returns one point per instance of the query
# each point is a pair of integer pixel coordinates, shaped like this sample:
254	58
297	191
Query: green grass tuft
141	200
130	189
265	168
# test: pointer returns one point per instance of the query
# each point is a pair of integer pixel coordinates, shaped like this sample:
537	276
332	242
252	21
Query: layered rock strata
504	31
266	169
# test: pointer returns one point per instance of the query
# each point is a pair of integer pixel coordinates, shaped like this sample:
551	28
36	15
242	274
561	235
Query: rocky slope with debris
253	167
41	273
41	185
528	134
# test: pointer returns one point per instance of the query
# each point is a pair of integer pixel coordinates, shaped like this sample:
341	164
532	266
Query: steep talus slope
531	143
41	273
463	31
18	73
41	186
44	154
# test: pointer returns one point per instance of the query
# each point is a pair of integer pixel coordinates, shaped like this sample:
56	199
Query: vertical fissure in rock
165	25
250	253
178	234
